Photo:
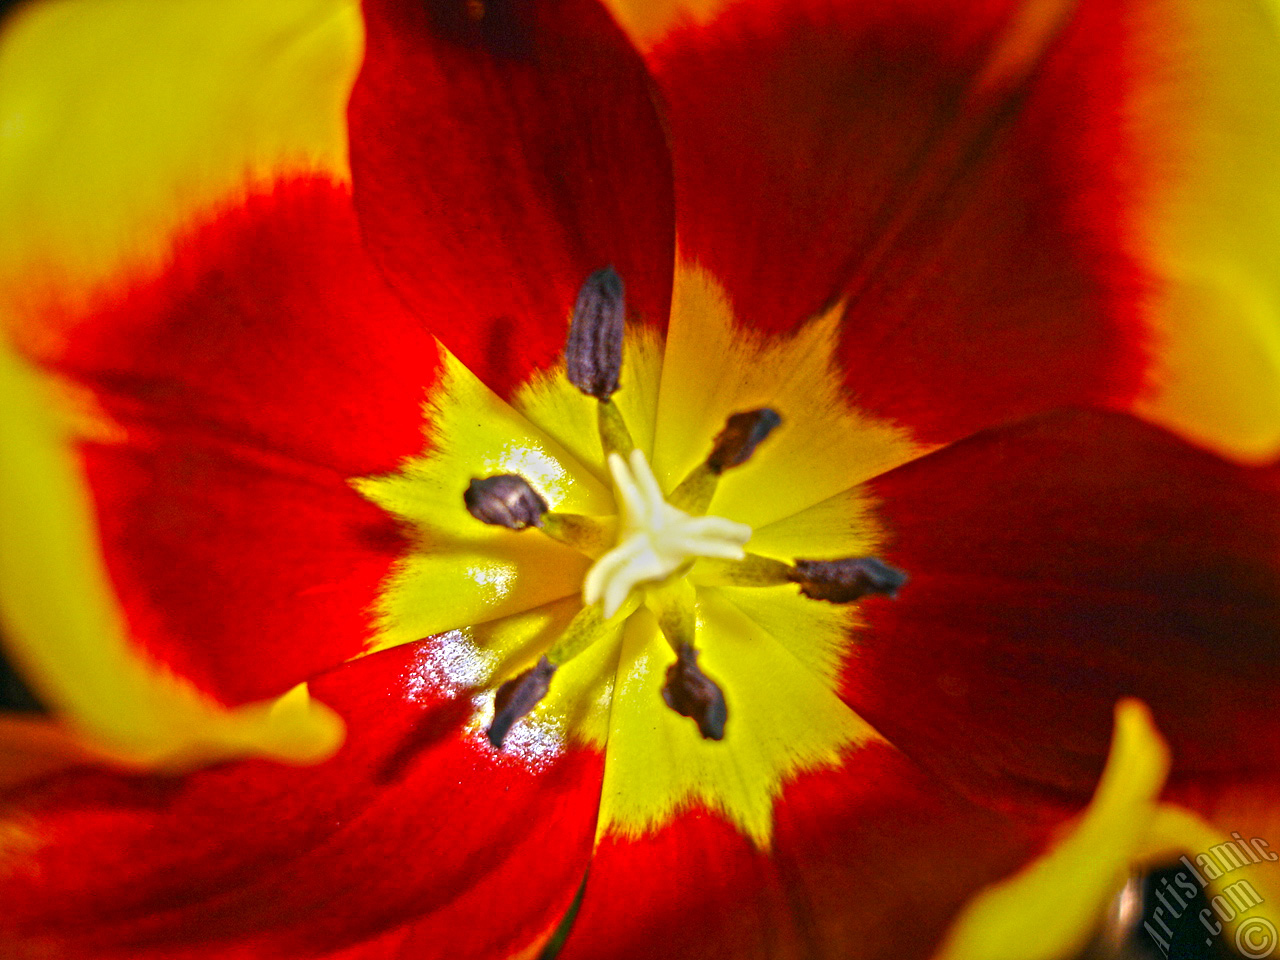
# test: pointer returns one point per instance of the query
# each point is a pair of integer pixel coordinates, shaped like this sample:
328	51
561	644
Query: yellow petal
121	118
1051	908
1232	859
1209	222
65	632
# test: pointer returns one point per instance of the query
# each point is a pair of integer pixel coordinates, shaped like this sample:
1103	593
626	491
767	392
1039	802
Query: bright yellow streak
65	631
1209	221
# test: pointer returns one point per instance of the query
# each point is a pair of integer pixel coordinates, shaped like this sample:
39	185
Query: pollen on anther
506	500
593	354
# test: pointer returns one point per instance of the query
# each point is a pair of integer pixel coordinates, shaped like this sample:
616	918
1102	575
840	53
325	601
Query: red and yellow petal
63	627
246	385
870	860
268	329
1207	223
411	823
1057	566
255	469
952	170
501	152
126	124
122	119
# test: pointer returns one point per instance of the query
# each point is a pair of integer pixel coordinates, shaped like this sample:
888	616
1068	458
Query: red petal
1056	566
870	861
237	572
265	367
411	821
827	150
498	161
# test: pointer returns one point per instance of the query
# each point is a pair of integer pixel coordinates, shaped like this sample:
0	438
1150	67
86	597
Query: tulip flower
721	470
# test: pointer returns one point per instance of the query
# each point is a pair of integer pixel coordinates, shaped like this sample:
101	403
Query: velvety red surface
867	861
840	150
411	820
497	162
1056	566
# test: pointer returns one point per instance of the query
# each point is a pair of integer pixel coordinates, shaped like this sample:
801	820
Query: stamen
614	435
593	355
673	605
517	697
582	632
742	433
521	694
752	571
732	447
506	500
509	501
844	581
589	535
691	693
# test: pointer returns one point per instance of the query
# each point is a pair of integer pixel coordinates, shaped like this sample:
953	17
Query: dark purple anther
517	697
505	501
843	581
742	433
691	693
593	355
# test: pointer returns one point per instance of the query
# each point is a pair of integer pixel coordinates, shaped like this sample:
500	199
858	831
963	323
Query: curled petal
69	637
1052	907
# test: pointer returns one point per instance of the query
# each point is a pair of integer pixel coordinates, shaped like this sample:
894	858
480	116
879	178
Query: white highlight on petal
655	538
446	665
534	742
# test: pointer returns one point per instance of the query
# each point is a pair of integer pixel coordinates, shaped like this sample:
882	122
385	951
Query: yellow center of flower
641	550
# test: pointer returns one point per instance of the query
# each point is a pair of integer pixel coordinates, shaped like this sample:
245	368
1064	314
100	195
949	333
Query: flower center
656	538
647	560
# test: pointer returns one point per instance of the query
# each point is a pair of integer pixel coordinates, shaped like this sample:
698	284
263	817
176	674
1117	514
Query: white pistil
655	538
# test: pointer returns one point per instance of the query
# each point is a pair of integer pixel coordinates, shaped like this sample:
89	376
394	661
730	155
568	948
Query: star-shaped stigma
656	539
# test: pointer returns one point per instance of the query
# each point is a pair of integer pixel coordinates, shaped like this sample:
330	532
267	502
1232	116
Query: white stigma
655	538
